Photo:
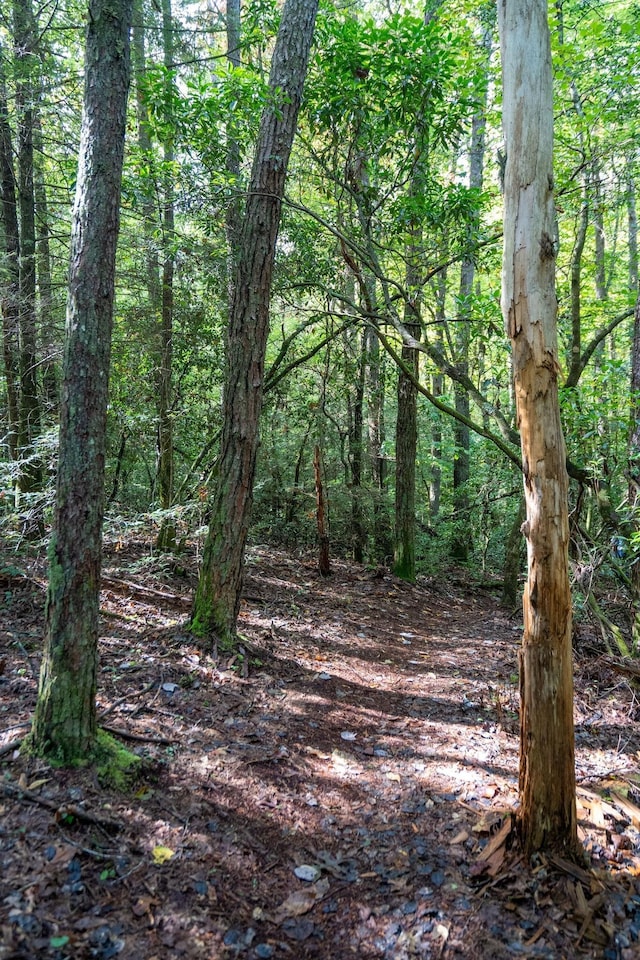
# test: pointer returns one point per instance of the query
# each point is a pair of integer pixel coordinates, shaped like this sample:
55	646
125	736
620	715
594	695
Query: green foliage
381	163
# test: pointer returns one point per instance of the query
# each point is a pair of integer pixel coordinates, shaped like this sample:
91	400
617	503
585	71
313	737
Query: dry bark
217	599
547	776
65	718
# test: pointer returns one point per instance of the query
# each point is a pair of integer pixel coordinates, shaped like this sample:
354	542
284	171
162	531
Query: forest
319	479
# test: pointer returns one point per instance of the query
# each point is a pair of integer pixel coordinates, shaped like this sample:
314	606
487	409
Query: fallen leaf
38	783
296	904
393	776
142	906
459	837
161	854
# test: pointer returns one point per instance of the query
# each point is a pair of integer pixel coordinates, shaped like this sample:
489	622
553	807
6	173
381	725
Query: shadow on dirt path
342	788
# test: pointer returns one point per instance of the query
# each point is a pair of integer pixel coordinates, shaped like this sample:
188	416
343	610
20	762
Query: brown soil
343	788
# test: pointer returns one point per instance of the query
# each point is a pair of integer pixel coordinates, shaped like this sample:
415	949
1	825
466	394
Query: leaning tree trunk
217	600
547	777
64	725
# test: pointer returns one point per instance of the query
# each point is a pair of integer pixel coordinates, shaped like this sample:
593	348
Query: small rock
308	872
232	938
263	951
298	929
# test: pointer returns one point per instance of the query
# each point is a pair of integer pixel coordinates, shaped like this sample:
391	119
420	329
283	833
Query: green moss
206	620
116	766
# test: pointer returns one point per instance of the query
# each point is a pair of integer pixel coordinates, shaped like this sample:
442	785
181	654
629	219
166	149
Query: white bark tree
547	777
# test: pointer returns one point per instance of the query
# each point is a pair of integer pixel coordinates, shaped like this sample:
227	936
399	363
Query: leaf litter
251	833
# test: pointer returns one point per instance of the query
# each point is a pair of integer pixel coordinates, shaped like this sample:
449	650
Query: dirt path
341	790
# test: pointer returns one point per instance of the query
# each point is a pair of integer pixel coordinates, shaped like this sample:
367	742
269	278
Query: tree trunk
45	284
64	725
437	387
29	425
598	226
354	358
404	560
233	216
167	535
632	221
461	541
634	475
547	815
11	285
217	599
375	390
324	562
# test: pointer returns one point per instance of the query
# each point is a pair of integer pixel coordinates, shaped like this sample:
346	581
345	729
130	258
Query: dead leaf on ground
301	901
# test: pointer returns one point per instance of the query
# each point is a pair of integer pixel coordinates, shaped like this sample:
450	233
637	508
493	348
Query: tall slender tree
10	300
29	416
217	600
64	725
165	453
547	777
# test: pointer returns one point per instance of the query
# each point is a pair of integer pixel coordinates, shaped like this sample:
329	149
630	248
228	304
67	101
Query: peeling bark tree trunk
64	725
217	599
547	777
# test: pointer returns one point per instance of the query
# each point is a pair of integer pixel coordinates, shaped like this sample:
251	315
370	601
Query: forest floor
342	789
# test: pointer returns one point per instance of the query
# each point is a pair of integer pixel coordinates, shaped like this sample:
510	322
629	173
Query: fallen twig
626	667
11	746
127	696
60	810
149	593
127	735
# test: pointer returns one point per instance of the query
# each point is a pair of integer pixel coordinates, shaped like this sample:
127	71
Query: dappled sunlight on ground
342	786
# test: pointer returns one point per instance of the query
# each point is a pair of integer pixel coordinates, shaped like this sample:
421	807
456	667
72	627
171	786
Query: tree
217	600
29	416
64	725
11	284
547	775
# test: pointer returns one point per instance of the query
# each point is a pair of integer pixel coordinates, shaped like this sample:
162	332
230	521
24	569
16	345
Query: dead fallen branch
128	696
10	747
60	810
145	593
628	668
138	737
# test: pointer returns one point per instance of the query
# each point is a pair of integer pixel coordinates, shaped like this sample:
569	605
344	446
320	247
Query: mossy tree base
116	766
